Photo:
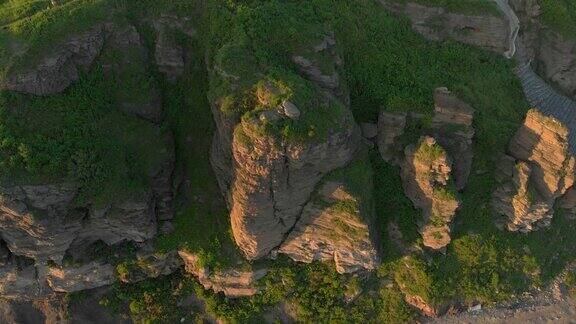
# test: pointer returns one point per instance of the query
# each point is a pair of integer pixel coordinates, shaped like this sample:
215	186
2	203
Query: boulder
168	53
426	176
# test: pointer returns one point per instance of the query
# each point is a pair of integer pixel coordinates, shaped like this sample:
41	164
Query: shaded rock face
42	223
38	221
57	71
452	129
46	222
425	174
332	228
553	55
232	283
88	276
268	181
557	62
438	24
538	171
390	127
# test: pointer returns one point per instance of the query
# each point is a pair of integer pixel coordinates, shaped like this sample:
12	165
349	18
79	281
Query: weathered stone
452	128
290	110
88	276
61	67
232	283
334	227
369	130
438	24
539	171
390	128
38	221
168	53
425	178
129	63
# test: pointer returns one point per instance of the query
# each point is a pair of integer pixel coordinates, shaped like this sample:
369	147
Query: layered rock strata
232	282
334	226
426	174
537	172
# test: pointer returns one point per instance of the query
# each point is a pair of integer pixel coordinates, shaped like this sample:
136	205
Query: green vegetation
560	15
80	136
77	136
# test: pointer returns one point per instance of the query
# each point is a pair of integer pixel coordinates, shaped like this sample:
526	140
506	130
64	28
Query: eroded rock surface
268	180
334	226
538	171
452	129
88	276
58	70
390	127
232	282
552	54
426	177
438	24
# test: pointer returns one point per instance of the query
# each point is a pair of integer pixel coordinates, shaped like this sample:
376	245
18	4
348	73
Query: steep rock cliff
267	177
538	171
426	174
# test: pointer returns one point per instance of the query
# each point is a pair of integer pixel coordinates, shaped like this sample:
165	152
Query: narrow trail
538	92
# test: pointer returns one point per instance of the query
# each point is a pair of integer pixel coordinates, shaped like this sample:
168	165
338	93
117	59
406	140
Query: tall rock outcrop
426	175
436	23
267	176
538	171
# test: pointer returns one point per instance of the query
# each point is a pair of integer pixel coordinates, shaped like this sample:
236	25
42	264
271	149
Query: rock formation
552	54
59	69
268	180
335	225
538	171
436	23
390	127
233	282
426	176
452	129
